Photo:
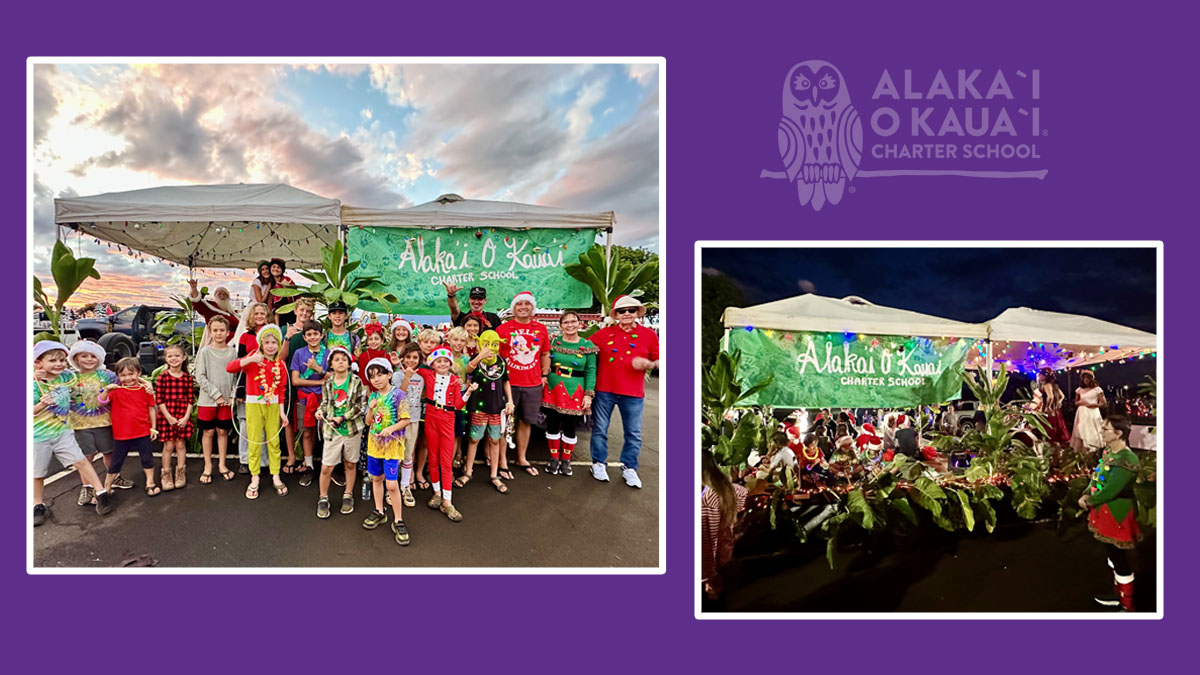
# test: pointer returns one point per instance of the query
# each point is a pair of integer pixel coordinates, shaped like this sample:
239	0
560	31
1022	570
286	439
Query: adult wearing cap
476	298
525	348
628	349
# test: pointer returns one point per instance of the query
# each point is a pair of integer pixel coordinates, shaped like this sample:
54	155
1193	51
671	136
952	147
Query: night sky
967	284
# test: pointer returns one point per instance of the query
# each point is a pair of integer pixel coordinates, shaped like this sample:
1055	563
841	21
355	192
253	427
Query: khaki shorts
64	448
340	449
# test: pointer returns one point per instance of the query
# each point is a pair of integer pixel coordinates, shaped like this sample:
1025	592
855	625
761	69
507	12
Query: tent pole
192	309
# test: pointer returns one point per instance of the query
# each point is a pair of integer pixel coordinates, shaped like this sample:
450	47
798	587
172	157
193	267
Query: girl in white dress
1089	399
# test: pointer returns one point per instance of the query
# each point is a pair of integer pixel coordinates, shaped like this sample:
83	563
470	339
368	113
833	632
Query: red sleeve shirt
614	363
522	349
130	413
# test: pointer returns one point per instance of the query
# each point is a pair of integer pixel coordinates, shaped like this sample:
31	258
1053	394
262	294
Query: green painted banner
415	264
845	370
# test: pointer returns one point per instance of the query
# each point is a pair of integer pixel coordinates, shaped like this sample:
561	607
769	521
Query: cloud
643	73
806	286
45	102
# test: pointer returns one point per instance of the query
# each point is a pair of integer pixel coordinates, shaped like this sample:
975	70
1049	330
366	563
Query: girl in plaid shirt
175	393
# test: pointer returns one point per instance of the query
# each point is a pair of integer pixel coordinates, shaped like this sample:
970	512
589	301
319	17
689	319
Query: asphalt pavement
544	521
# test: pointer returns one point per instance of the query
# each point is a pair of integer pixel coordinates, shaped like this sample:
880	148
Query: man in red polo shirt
628	350
525	348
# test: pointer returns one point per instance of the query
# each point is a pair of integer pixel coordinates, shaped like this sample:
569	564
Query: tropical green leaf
902	505
746	437
331	294
350	298
858	506
964	500
285	309
985	508
288	292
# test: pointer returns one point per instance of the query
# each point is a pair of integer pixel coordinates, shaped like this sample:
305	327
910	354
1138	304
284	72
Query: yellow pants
263	419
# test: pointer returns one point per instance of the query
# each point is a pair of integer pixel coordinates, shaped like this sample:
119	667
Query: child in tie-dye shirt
387	417
89	418
52	437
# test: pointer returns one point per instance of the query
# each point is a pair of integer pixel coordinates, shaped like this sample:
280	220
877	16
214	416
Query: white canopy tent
851	314
453	211
230	226
1035	338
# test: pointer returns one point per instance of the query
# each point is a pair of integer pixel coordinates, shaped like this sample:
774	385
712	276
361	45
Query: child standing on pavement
266	389
387	415
308	374
89	418
427	340
52	435
174	391
443	400
412	386
340	411
133	417
214	410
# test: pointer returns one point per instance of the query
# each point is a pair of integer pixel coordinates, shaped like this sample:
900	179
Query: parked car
42	324
130	332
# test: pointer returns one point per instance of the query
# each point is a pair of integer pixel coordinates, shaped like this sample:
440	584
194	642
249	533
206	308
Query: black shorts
527	402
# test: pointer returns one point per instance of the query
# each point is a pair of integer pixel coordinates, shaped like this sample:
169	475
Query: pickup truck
130	332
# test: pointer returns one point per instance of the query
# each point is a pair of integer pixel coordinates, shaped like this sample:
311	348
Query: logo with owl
820	134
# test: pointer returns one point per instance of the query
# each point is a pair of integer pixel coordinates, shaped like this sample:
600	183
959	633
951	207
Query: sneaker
243	470
552	467
631	477
1109	599
407	496
104	504
40	512
599	471
564	468
122	483
435	502
451	512
374	520
86	494
401	532
323	507
347	504
306	478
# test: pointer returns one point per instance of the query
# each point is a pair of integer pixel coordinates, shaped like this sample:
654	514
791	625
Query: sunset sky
386	136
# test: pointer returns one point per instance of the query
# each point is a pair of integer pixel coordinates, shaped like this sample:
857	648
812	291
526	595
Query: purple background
1117	101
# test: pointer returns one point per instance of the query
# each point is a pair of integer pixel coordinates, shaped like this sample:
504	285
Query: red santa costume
443	397
868	445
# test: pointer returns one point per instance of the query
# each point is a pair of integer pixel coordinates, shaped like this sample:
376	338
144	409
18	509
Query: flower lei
810	458
269	390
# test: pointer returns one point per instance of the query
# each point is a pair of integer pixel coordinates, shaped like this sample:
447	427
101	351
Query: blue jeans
631	418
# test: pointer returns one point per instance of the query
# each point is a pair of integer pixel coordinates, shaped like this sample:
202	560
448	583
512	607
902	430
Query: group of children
373	410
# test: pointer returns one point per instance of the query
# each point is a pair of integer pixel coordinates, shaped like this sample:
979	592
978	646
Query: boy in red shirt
133	421
525	348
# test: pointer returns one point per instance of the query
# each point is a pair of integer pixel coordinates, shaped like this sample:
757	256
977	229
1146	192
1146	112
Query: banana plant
334	281
69	274
166	324
610	278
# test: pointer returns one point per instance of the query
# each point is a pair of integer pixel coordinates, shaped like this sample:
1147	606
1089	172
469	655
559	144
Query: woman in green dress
570	385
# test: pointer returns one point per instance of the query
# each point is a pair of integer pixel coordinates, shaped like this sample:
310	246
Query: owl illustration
820	134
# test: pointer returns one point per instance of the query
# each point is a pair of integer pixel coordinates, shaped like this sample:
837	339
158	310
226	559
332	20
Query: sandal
462	480
451	512
422	484
205	478
180	477
226	474
505	473
529	469
152	490
499	485
252	492
281	489
290	467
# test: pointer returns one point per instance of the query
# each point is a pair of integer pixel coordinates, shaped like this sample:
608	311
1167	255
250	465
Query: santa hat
867	439
526	296
794	433
379	361
402	324
339	350
46	346
901	421
270	329
85	347
440	353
